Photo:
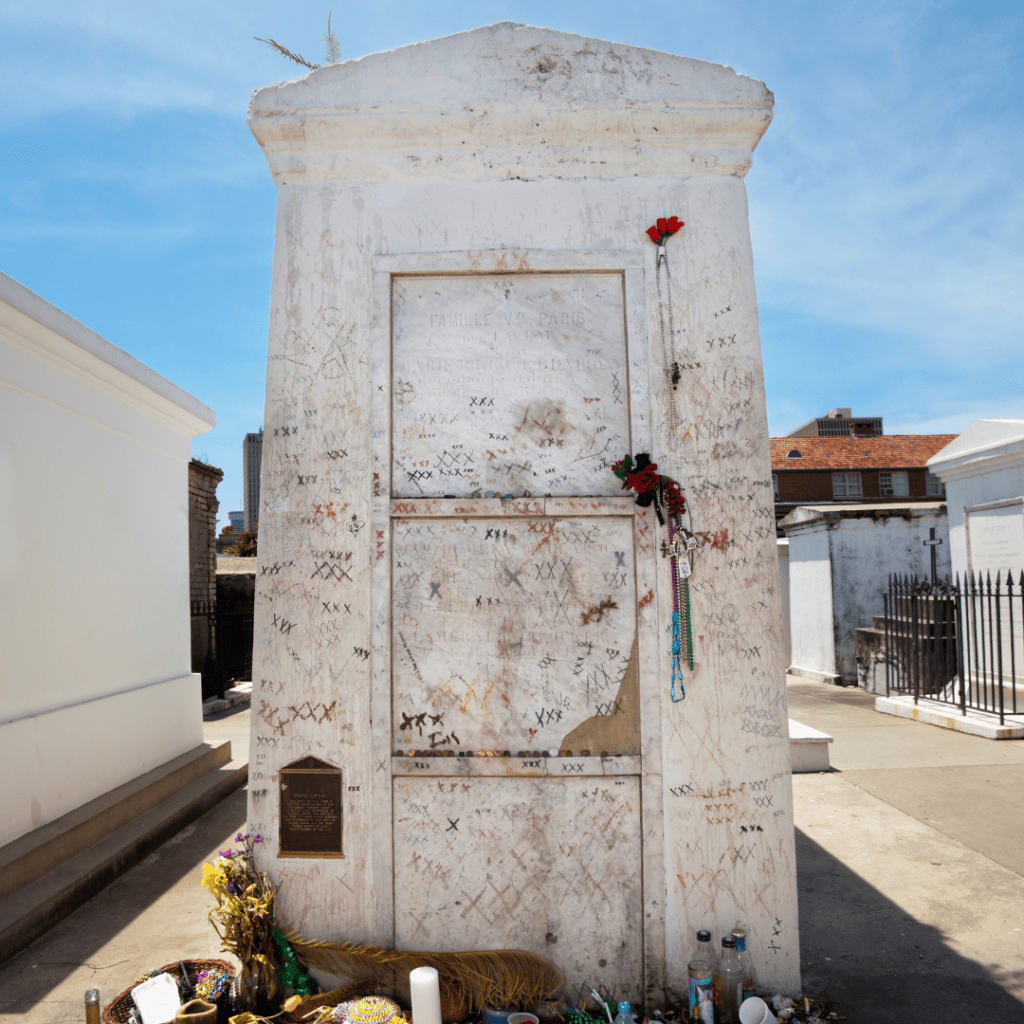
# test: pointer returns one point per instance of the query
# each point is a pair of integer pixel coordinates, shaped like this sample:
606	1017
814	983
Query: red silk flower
663	228
645	480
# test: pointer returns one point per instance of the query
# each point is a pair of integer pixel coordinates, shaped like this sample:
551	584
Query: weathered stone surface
525	864
400	170
469	355
510	637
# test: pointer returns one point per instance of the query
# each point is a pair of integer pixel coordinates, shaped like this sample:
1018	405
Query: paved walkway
910	876
909	866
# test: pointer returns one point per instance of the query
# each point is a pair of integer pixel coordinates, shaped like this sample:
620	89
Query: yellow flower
214	879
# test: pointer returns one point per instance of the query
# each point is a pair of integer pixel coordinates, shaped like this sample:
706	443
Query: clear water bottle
625	1014
740	935
704	950
728	982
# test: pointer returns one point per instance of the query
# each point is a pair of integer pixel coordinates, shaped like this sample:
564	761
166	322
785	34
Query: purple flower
226	853
257	839
239	837
230	887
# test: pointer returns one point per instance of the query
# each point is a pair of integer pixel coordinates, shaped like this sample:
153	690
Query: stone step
808	748
33	907
238	694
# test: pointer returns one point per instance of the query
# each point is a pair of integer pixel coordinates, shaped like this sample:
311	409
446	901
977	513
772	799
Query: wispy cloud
886	196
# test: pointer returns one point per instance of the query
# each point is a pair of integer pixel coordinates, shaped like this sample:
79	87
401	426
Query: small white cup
755	1011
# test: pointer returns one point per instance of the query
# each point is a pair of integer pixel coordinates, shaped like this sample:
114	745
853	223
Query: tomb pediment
535	98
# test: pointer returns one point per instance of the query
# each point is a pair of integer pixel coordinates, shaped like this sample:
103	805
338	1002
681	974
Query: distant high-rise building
840	423
237	520
252	460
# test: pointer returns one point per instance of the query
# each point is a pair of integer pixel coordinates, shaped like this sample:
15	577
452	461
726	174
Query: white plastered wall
96	685
415	155
864	553
810	603
984	464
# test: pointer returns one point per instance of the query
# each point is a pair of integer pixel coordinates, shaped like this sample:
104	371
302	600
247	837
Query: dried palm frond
506	977
332	48
285	52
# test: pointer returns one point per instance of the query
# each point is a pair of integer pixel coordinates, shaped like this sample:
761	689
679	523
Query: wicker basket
118	1010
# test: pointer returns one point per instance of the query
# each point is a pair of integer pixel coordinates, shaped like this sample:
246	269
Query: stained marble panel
514	634
545	864
511	384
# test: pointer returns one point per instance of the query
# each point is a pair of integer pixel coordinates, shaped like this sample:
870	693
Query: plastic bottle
92	1006
625	1014
740	935
702	1008
728	981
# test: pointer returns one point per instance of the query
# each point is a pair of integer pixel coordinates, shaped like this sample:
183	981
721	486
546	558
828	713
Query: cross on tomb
932	543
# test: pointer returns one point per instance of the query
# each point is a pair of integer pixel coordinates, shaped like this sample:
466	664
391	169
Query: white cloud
957	417
885	194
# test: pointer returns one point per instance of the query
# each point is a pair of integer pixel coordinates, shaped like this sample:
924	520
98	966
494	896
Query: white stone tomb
465	334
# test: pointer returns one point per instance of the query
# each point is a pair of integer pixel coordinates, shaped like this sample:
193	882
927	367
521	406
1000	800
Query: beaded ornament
640	475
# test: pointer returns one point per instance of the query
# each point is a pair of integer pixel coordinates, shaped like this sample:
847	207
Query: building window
893	484
846	485
934	486
794	454
775	485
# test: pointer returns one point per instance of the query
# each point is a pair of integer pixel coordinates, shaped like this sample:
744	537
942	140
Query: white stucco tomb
95	685
465	335
983	471
840	561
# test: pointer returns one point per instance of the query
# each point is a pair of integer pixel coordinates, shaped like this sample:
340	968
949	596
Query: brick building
854	470
202	565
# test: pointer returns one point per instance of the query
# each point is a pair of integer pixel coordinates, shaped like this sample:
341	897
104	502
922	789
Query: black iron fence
222	641
234	635
204	661
958	643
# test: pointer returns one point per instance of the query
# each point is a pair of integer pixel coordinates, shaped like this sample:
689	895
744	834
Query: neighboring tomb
983	473
458	606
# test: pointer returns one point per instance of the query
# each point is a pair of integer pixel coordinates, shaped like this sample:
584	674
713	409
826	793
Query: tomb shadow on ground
875	962
120	934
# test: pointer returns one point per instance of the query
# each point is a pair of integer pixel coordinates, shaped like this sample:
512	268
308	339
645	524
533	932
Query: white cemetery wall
96	687
811	613
865	551
453	330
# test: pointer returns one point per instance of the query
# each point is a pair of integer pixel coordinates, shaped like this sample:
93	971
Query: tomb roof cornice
507	105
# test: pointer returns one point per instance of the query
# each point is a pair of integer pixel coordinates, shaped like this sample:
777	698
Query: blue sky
885	200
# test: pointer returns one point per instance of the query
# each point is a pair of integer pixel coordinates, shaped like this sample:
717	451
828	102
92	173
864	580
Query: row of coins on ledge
553	752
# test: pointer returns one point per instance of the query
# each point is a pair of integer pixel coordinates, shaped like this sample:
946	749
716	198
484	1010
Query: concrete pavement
909	876
909	866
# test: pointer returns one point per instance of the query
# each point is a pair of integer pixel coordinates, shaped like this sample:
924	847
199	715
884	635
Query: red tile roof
890	451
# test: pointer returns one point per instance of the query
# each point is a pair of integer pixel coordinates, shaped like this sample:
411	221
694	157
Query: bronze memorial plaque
311	814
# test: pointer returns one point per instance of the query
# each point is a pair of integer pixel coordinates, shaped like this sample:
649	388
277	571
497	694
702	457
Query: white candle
426	996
